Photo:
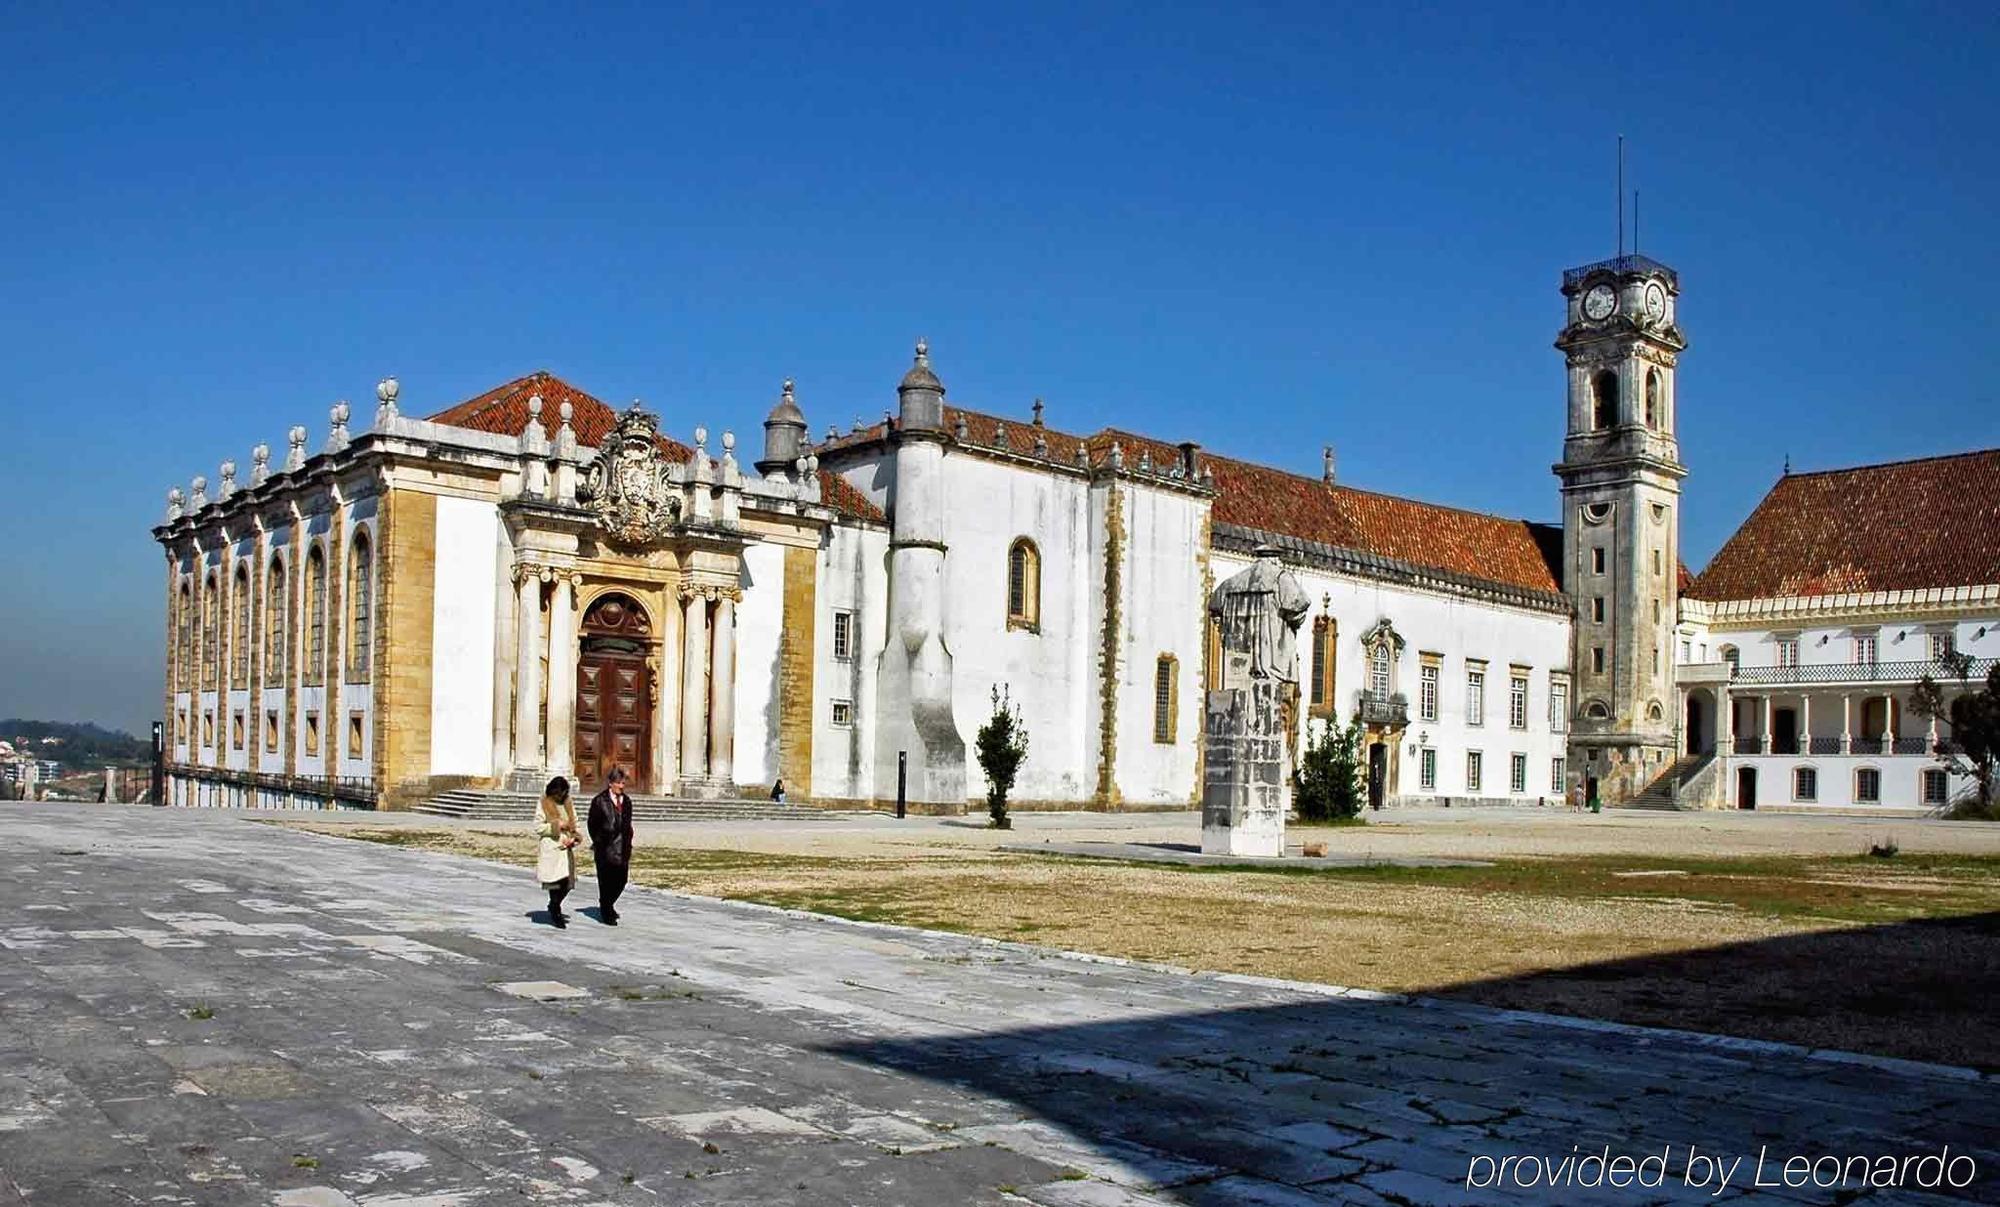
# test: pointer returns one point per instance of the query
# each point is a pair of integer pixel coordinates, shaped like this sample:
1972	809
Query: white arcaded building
530	583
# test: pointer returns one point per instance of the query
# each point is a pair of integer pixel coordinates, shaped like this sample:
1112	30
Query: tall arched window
1604	400
1378	670
360	608
211	644
275	635
184	651
239	628
1324	632
316	616
1024	586
1653	416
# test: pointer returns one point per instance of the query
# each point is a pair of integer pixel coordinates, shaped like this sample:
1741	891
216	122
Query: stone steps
472	804
1660	793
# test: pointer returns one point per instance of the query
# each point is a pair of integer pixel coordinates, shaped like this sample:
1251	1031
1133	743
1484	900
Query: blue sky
1262	228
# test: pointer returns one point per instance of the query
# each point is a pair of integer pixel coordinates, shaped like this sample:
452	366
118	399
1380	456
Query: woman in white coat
555	862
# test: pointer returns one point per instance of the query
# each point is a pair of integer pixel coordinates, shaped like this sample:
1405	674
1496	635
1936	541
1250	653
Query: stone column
722	708
694	687
1765	744
528	669
504	659
562	672
1805	723
1888	723
1846	723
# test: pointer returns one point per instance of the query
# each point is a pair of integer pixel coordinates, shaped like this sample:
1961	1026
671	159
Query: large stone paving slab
201	1009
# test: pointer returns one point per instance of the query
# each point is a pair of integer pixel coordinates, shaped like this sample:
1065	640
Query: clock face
1599	302
1656	302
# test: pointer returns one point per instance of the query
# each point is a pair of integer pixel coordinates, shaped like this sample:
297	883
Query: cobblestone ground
201	1009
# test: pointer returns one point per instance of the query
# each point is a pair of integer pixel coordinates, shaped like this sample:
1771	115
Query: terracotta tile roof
835	492
504	410
1513	553
1905	525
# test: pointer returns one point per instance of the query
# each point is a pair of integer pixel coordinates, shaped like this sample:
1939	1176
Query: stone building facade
531	583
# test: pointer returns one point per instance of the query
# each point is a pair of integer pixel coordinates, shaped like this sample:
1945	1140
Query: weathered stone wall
407	588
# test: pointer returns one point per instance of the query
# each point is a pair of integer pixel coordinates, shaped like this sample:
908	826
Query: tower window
1323	665
1653	398
1597	609
843	635
1166	698
1024	586
1604	400
1597	560
1597	659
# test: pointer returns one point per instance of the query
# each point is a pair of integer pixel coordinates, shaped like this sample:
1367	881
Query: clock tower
1621	485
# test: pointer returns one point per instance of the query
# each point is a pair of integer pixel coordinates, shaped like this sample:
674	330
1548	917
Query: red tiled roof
1905	525
1513	553
836	492
504	410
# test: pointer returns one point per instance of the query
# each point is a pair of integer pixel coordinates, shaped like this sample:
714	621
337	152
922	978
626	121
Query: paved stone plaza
202	1009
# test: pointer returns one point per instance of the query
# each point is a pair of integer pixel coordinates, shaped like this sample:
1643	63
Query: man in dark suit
611	843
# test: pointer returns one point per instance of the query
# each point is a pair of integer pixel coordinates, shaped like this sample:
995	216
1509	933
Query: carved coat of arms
629	485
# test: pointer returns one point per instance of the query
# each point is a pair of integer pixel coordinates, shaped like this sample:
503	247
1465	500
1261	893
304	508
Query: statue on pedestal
1246	783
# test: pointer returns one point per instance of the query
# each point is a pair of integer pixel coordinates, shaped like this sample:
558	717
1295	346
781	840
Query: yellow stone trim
406	599
796	661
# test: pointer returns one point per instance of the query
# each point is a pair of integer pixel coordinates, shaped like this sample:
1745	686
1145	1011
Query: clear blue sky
1261	228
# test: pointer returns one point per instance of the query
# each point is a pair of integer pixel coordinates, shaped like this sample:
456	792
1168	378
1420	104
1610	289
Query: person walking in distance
555	861
611	843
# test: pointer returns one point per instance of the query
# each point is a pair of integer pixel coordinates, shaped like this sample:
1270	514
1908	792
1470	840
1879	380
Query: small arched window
1653	415
316	616
1024	586
1729	654
275	635
360	608
239	629
1597	711
1604	400
1378	669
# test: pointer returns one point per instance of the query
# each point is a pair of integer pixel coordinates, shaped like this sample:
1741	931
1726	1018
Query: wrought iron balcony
1378	709
1859	672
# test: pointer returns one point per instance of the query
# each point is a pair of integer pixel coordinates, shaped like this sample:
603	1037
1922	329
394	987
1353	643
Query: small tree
1327	784
1002	744
1974	717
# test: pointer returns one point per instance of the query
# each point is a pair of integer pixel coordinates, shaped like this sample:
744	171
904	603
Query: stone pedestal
1243	791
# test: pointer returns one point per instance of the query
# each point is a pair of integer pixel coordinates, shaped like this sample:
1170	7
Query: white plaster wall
852	577
760	622
1897	639
462	611
1901	783
874	475
1458	629
1165	610
988	506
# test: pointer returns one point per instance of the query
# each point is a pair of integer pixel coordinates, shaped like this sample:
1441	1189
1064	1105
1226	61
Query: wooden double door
614	716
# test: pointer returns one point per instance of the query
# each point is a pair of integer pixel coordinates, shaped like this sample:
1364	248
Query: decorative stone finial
832	432
227	485
535	406
700	438
1145	460
176	503
959	429
336	435
728	441
1326	462
260	464
1038	412
786	392
567	411
198	493
812	464
1082	454
1000	439
799	466
295	455
1041	441
385	399
1117	456
923	351
859	426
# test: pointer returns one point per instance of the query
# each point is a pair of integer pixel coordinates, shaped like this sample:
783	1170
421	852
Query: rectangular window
1323	660
843	713
1656	659
843	636
1658	563
1597	659
1558	706
1597	560
1943	645
1687	651
208	727
236	730
1517	702
1805	783
1558	776
1165	693
1427	769
1475	697
1864	649
1378	669
1656	611
1427	694
1597	609
1517	775
1474	769
312	733
354	735
1868	785
271	730
1788	651
1936	787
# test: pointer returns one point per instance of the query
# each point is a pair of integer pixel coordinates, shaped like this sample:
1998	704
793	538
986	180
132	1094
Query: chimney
1326	458
1188	450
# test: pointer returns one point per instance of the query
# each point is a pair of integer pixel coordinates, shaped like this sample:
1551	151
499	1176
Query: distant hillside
82	746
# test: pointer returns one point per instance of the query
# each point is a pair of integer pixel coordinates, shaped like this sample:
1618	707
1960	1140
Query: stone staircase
477	804
1660	793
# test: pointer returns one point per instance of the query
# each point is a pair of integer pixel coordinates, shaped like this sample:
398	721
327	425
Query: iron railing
1378	709
353	790
1633	263
1860	672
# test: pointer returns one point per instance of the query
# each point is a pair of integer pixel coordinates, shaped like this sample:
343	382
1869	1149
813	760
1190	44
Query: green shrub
1327	785
1002	745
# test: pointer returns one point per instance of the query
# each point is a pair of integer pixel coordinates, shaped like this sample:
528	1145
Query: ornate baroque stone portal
1246	787
629	486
